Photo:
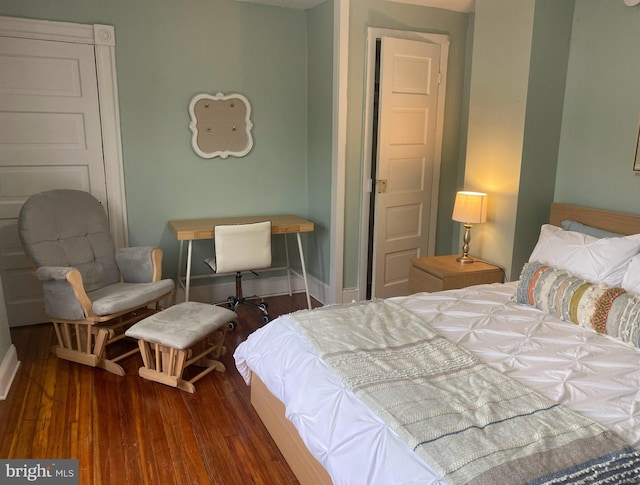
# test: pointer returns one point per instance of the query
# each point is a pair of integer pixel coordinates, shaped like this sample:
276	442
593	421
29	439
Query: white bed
593	374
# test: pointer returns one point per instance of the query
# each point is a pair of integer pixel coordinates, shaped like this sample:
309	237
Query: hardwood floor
125	430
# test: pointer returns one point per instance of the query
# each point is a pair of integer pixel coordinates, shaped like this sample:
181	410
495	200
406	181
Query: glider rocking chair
92	291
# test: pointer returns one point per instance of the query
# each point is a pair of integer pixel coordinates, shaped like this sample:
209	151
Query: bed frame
618	222
306	468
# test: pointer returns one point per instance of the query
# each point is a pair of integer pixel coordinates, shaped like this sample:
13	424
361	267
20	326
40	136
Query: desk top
190	229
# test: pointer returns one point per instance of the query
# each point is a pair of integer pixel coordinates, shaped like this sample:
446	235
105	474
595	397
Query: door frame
102	37
373	34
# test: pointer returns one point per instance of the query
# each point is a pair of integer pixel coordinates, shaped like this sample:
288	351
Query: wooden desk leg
304	270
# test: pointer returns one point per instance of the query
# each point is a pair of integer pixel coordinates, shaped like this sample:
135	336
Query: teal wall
499	82
550	45
320	99
601	109
580	122
166	52
281	60
388	15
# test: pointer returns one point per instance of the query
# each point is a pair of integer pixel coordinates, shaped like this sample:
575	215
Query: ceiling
457	5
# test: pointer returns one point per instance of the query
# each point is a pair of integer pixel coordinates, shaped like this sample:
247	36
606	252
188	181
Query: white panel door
409	78
50	137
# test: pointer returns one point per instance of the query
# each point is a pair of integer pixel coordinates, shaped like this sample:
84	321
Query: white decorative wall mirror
220	125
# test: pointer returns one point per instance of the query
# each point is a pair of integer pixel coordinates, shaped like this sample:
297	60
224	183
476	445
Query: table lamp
469	208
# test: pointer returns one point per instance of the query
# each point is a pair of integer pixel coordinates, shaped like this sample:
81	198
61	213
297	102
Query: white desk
195	229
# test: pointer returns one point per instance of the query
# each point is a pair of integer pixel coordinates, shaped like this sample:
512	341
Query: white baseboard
263	286
350	295
8	371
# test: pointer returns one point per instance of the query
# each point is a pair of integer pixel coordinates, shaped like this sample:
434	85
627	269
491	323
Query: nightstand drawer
445	273
471	279
420	280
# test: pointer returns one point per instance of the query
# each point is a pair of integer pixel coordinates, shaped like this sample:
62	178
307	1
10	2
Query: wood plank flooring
125	430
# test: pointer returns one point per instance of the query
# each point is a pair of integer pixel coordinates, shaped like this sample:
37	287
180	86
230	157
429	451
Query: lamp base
464	259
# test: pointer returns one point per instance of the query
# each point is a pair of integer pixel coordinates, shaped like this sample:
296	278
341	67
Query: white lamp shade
470	207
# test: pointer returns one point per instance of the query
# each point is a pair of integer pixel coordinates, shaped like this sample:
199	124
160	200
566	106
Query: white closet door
50	137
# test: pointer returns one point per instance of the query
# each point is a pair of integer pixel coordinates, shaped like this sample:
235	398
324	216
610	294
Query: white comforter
593	374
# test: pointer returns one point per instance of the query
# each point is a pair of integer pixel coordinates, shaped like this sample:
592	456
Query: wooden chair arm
156	257
74	278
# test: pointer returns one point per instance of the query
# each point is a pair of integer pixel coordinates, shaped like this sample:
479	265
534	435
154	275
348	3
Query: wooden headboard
618	222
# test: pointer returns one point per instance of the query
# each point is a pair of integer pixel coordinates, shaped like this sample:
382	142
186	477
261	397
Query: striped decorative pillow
606	310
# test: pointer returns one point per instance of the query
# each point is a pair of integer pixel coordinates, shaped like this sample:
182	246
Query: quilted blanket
471	423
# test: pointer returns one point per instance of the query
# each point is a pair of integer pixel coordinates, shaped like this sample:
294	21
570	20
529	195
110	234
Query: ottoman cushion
182	325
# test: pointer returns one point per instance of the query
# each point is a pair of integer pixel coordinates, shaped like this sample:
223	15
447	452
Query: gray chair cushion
182	325
61	302
124	296
65	229
135	264
69	228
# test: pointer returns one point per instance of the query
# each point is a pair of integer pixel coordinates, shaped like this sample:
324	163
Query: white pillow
595	260
631	280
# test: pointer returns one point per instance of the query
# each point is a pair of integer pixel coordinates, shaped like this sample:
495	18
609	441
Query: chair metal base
235	301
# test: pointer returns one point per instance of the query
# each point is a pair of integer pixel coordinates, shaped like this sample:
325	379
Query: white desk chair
238	248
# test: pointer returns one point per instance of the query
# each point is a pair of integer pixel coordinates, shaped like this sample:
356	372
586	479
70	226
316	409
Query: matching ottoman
182	335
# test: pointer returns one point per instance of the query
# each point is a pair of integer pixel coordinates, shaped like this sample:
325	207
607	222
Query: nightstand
445	273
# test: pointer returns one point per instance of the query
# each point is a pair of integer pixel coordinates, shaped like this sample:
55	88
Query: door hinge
382	186
439	77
